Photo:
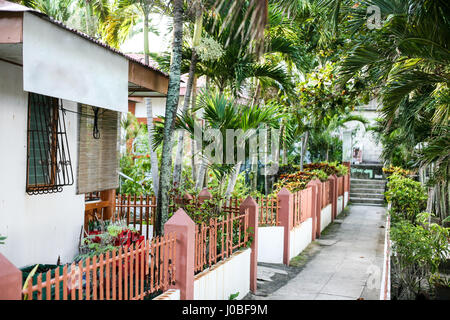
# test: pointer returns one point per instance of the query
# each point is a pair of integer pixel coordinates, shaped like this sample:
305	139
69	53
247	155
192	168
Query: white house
359	145
61	96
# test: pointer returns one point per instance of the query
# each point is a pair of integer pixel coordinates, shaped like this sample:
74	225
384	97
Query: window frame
52	153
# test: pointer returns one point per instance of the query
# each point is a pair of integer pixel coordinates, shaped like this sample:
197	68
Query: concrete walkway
348	261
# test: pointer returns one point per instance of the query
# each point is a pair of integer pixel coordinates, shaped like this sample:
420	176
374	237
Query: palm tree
406	64
162	212
222	113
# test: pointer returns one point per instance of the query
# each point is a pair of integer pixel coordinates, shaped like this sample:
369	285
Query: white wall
270	244
345	198
325	217
300	237
227	277
340	199
39	228
61	64
158	107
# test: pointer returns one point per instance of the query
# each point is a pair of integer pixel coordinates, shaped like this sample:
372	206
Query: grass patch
298	261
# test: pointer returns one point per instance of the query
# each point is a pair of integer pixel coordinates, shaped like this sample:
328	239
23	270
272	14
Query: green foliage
137	168
109	236
241	189
2	239
418	250
233	296
407	197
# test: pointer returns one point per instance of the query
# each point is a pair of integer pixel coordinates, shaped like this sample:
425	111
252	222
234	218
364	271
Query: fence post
184	227
10	280
313	206
250	204
285	217
333	195
204	195
319	200
108	195
348	165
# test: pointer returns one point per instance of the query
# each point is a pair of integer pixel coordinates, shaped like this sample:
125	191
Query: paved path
348	264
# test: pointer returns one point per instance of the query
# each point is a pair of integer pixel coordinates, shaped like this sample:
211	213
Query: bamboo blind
97	158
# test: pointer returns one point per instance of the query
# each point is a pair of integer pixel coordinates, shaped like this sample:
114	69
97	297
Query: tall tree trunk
193	145
180	146
173	95
200	179
146	49
195	42
153	155
233	179
304	147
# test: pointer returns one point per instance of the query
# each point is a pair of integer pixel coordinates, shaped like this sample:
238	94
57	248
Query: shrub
398	171
407	197
418	250
108	237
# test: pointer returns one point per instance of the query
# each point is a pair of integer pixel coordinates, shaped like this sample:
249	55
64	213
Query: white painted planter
300	237
227	277
270	244
325	217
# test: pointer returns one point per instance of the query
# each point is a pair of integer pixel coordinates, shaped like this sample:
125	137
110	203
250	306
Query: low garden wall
300	237
271	244
340	201
325	217
226	278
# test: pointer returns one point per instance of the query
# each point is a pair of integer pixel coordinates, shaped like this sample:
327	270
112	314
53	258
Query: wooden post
204	195
313	206
250	204
285	217
319	185
110	196
184	227
348	165
10	280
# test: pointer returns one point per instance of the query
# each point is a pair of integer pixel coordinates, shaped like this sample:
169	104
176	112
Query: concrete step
372	182
367	204
357	189
366	195
358	200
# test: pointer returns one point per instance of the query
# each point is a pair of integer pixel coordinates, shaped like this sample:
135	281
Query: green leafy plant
407	197
27	280
233	296
418	250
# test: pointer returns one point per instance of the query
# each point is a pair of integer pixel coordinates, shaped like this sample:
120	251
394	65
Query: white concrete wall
345	198
340	199
300	237
59	63
39	228
171	294
325	217
158	107
227	277
270	244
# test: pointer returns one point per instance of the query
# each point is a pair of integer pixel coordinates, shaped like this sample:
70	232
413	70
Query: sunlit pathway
348	264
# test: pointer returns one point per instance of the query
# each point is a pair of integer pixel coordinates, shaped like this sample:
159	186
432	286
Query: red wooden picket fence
129	273
302	206
137	211
218	239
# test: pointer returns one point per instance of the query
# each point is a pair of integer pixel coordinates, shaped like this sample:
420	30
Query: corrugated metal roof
13	7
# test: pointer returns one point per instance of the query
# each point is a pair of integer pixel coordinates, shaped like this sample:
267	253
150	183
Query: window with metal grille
49	167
